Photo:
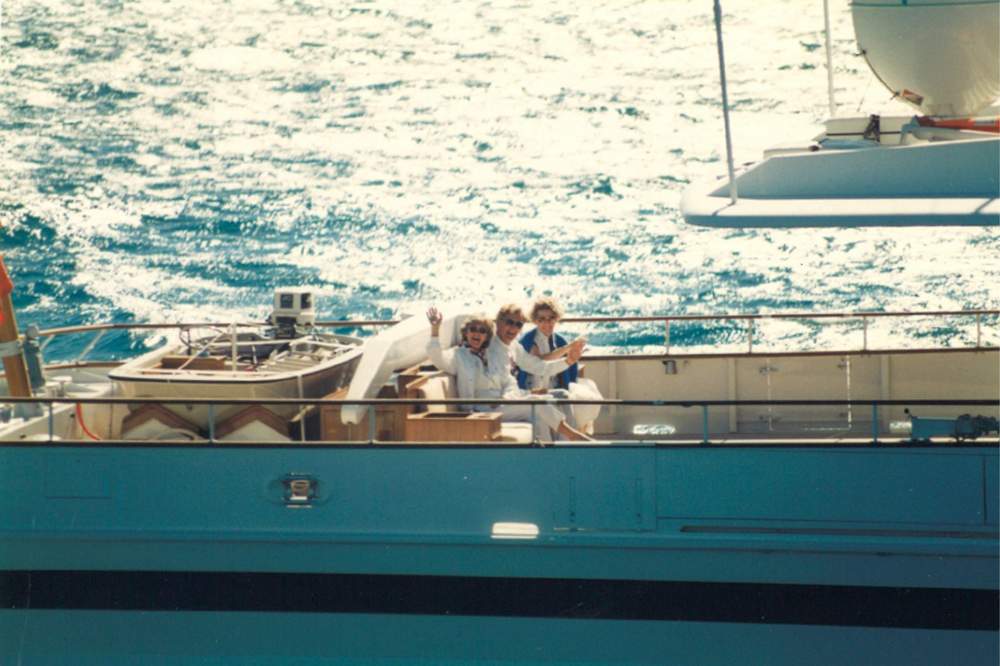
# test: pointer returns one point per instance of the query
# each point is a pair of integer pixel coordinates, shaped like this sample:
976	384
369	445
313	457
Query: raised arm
575	347
444	359
537	366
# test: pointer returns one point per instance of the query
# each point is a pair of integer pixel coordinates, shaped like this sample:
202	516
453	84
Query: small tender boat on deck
289	360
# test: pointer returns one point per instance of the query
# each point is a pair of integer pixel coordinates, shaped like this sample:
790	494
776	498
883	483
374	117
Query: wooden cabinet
411	376
389	420
454	427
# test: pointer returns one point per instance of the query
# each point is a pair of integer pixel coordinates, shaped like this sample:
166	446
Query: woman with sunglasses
479	378
509	322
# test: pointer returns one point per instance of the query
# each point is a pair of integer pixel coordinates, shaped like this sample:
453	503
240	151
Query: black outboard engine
971	427
963	428
294	312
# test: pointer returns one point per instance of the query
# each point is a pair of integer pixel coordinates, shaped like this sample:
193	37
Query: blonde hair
510	311
546	303
479	319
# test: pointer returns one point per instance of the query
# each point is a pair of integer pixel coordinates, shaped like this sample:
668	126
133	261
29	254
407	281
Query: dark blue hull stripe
504	597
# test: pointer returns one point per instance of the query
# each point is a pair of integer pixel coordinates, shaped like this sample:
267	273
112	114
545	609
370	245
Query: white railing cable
733	194
829	58
90	346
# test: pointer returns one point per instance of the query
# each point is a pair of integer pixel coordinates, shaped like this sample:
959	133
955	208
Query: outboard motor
971	427
963	428
294	312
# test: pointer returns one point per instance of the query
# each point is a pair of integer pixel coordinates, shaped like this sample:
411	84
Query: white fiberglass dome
941	56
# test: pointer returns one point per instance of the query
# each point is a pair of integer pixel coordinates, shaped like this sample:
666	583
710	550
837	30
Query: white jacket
524	359
493	381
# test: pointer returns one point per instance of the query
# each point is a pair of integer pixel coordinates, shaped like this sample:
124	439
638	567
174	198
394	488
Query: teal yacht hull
631	553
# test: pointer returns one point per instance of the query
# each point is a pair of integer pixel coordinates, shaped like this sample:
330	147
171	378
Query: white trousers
544	417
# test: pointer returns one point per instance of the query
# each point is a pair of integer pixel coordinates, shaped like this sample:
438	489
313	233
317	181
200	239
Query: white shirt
547	378
499	353
473	378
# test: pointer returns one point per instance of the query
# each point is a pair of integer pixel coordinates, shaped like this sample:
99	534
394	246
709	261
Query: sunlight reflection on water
180	160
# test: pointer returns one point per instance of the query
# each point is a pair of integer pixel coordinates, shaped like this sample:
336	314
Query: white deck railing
977	323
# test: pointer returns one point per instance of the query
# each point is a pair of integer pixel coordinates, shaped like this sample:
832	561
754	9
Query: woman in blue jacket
544	342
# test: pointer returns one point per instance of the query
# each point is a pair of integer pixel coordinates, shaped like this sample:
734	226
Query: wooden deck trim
249	415
154	411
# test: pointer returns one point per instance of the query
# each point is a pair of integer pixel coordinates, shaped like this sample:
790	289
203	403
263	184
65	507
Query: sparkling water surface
179	160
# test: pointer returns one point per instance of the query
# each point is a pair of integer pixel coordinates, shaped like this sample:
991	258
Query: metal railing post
233	348
874	423
52	421
979	330
211	423
750	337
704	424
371	424
666	336
534	427
864	333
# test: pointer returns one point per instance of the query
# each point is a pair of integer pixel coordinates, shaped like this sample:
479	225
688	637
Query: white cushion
516	432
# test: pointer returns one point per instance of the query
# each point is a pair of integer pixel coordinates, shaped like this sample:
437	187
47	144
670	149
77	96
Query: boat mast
829	58
733	194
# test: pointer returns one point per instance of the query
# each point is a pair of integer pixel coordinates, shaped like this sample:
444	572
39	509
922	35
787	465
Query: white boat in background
939	168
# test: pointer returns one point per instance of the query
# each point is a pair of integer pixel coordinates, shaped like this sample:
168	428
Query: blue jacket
564	378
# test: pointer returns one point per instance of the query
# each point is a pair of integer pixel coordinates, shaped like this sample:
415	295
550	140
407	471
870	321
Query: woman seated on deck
546	344
476	378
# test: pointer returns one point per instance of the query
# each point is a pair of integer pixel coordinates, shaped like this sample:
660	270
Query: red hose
980	125
83	426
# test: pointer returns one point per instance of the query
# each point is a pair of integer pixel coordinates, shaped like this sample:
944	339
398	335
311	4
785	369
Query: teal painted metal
110	638
921	517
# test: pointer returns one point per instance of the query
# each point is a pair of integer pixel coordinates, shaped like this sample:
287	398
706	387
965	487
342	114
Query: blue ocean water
178	161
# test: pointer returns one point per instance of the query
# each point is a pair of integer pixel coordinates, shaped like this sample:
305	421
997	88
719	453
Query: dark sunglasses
477	329
513	322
